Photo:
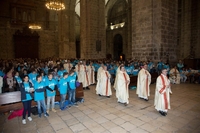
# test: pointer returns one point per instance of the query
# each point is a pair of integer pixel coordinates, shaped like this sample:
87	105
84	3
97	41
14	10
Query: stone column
189	44
154	29
66	31
92	21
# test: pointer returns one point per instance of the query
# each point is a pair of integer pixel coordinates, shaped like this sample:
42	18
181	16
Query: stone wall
189	44
112	10
6	43
142	29
154	29
92	22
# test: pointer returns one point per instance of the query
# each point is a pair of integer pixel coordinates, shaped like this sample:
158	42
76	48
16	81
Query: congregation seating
133	79
12	100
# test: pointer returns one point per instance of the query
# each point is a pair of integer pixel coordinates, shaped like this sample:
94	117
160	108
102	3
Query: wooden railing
12	100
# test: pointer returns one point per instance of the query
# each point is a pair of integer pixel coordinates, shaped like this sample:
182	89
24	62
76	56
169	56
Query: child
39	87
62	88
50	91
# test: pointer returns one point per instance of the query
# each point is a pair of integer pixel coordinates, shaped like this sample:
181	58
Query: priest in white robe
99	71
122	86
174	76
67	65
77	69
162	93
143	82
85	76
91	74
103	87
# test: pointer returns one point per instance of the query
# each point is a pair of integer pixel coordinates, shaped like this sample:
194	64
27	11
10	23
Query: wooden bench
12	100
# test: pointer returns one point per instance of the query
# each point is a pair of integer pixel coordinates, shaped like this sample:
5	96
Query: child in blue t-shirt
62	88
71	80
50	91
39	97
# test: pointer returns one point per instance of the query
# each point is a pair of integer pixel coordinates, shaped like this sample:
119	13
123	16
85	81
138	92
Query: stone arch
109	5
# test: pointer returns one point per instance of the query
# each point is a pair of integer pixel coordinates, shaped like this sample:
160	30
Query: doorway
117	46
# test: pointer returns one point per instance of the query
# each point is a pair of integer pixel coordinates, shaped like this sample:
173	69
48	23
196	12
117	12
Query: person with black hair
71	80
62	88
27	90
39	97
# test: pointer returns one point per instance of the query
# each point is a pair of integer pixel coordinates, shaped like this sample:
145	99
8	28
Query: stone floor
105	115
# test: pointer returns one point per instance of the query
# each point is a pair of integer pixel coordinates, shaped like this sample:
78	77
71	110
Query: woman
26	89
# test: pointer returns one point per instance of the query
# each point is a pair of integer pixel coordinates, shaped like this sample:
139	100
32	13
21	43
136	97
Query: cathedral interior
106	29
96	29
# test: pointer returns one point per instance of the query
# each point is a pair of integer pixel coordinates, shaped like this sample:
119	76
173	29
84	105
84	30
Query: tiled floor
105	115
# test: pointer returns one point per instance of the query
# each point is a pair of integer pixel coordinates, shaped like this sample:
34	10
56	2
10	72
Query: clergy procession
39	76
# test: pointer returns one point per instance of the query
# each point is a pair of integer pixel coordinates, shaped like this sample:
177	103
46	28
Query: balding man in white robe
103	87
162	93
143	82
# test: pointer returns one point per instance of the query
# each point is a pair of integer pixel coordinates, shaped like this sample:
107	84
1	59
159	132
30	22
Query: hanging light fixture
55	5
34	26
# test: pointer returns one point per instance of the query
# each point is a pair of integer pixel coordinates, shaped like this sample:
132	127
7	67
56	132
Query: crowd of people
35	77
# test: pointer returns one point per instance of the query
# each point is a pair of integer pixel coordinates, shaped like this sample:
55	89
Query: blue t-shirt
2	73
51	83
111	70
60	73
27	89
72	81
32	77
39	95
160	65
135	72
62	85
18	79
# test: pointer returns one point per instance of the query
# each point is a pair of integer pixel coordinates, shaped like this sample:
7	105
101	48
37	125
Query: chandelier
55	5
34	26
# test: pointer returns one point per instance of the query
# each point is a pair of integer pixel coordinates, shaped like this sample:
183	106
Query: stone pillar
66	31
92	21
154	29
129	29
189	37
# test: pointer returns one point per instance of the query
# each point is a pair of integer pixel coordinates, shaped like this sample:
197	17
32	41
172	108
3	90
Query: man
162	96
122	83
143	82
91	74
174	75
77	69
68	65
99	71
84	73
103	87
